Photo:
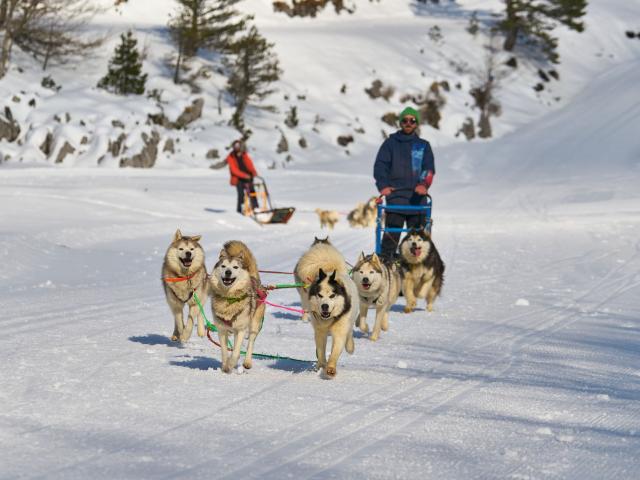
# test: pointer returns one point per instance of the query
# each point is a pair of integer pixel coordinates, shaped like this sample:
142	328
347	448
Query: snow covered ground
482	388
529	367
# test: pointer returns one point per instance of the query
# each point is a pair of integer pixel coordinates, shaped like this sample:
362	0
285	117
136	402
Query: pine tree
125	68
253	67
210	24
534	20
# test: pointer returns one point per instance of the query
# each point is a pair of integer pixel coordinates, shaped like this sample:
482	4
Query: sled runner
257	205
380	228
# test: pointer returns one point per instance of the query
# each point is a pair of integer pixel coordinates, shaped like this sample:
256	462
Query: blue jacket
403	162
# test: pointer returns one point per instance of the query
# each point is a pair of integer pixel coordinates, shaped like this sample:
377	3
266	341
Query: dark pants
390	240
242	187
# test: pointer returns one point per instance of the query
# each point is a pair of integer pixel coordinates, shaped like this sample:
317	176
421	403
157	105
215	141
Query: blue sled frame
380	230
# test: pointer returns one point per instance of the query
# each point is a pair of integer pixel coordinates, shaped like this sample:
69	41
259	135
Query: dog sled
382	208
257	205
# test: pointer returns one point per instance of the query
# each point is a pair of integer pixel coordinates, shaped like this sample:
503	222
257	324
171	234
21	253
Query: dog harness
228	323
179	279
182	279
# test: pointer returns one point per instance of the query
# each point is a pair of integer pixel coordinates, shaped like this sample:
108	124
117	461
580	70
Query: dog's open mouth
416	251
186	261
325	315
366	286
228	281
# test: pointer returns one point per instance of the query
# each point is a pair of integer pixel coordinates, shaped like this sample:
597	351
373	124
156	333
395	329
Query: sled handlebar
380	198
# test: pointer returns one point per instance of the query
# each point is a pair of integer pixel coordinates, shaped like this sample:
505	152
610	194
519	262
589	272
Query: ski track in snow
455	363
433	401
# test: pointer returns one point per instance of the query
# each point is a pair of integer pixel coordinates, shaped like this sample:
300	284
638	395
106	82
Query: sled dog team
334	298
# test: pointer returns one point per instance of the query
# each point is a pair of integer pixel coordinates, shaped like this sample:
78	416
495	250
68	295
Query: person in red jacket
242	173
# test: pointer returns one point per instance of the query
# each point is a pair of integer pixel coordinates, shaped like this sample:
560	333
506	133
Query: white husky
378	285
235	304
183	273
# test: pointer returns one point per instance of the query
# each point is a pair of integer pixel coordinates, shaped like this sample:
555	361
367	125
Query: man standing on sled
403	172
242	173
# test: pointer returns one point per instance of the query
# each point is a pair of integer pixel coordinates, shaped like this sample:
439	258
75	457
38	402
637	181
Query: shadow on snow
155	339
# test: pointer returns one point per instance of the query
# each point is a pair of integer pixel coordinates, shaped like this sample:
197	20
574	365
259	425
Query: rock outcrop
147	156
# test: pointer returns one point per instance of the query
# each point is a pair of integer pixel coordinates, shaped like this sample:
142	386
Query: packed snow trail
92	386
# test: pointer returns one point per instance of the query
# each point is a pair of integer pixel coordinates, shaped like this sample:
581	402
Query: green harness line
213	328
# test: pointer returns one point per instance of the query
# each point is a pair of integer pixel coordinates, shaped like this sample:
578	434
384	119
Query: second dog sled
257	205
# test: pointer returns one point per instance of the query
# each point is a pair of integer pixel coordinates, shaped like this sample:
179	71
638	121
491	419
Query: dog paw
202	333
408	309
430	307
247	365
226	368
318	367
331	371
174	338
374	337
364	328
385	327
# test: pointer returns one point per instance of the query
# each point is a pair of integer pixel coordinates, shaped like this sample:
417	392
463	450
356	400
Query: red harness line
178	279
211	339
291	309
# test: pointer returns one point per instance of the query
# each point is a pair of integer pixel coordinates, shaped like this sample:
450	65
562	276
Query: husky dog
234	286
422	269
323	255
183	273
328	218
378	285
332	301
364	215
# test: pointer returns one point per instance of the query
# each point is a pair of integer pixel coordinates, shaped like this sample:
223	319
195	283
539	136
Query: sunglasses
408	121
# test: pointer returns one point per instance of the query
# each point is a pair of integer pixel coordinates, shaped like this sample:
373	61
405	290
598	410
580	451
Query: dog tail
235	248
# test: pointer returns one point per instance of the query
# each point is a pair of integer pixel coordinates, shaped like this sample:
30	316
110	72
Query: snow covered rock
116	145
47	145
169	146
147	156
9	128
190	114
66	149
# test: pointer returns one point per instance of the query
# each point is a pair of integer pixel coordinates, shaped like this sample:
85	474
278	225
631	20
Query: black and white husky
333	302
321	255
422	269
378	285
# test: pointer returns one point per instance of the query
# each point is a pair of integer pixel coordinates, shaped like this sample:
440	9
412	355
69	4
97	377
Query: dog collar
179	279
232	300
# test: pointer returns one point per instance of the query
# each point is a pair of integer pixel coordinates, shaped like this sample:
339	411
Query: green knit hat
410	111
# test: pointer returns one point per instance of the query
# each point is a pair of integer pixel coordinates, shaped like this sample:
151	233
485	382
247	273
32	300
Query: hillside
392	41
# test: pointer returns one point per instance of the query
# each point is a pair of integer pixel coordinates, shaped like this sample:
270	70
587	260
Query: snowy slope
385	41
